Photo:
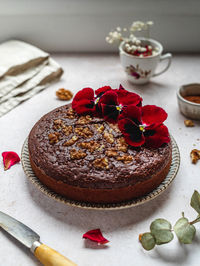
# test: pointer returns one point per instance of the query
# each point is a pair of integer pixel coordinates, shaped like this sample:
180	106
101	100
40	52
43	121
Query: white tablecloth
61	226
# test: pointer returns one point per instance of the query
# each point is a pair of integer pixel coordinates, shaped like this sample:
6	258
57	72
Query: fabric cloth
24	71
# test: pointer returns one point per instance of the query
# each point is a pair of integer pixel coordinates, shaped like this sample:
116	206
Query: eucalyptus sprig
161	231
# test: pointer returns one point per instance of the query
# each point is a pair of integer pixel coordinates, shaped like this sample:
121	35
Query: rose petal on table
96	236
10	158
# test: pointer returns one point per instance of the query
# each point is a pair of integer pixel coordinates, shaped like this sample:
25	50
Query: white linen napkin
24	71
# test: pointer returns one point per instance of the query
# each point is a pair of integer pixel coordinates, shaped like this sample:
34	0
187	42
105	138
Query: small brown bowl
188	108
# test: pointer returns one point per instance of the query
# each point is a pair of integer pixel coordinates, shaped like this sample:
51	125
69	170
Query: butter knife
46	255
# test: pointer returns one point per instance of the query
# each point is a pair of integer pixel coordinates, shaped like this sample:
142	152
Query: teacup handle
167	56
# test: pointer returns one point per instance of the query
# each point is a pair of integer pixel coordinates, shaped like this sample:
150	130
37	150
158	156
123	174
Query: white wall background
81	25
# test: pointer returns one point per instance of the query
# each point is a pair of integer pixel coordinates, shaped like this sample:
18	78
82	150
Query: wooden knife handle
49	257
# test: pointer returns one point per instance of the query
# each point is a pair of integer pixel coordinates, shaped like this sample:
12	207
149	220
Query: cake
86	157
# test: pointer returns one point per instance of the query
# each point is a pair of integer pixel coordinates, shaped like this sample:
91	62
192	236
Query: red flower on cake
96	236
83	102
113	102
144	126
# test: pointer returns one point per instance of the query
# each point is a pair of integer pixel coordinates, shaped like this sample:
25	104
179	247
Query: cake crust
85	158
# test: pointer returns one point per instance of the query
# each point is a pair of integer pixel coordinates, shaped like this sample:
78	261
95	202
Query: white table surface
61	226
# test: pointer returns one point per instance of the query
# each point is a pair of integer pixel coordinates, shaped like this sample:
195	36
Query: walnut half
64	94
53	137
125	158
195	155
77	154
101	163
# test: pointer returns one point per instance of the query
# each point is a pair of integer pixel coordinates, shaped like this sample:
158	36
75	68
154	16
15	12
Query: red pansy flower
113	102
96	236
99	92
144	126
83	102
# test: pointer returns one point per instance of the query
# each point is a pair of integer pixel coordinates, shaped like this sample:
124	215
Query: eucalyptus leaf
195	201
184	231
148	241
161	230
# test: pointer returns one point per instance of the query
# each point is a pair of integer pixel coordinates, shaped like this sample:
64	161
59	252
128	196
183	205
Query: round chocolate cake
87	159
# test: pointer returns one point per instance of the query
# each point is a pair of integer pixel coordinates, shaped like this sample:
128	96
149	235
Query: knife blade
46	255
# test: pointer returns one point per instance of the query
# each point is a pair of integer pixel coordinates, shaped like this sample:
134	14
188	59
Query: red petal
160	136
132	112
96	236
110	98
10	158
153	115
83	101
102	90
126	97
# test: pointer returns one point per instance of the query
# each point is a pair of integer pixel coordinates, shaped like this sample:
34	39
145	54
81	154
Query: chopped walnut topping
125	158
58	124
100	128
84	132
91	146
71	141
114	127
109	137
64	94
101	163
53	137
101	147
189	123
195	155
111	153
70	113
67	130
122	145
84	120
77	154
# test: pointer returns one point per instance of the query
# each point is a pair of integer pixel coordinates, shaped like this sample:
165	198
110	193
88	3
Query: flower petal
157	137
126	97
110	113
83	101
131	132
10	158
96	236
99	92
133	113
153	115
110	98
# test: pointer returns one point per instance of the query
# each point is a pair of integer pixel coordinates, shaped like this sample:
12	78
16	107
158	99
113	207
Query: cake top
88	151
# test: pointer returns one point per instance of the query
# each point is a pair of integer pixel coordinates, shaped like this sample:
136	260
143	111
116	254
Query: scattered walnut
108	136
77	154
101	147
189	123
71	141
101	163
100	128
84	120
122	145
70	113
53	137
111	153
58	124
91	146
64	94
114	127
195	155
84	132
67	130
125	158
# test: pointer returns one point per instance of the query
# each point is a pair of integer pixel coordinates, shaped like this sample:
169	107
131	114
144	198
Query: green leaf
161	230
195	201
148	241
184	231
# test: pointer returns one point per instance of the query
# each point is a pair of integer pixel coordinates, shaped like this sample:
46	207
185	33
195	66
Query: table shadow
107	220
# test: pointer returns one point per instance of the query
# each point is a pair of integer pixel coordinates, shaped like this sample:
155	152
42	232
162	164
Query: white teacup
140	69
